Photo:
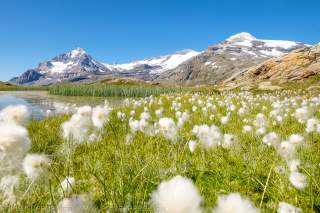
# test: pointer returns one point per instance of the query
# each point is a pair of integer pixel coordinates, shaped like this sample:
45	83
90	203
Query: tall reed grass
107	90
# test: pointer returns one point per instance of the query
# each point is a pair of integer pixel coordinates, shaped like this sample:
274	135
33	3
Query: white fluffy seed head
234	203
261	131
134	125
294	165
287	208
260	121
298	180
77	128
84	111
177	195
302	114
100	115
286	149
168	128
271	139
296	139
228	140
14	144
8	185
209	136
35	165
225	119
247	129
312	125
15	114
145	116
192	145
67	185
75	204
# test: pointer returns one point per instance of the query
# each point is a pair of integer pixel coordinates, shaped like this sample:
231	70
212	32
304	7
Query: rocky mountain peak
243	36
77	52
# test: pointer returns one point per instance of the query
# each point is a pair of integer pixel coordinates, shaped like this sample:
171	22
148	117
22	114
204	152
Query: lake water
41	103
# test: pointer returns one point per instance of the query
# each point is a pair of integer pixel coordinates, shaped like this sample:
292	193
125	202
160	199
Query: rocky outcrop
295	66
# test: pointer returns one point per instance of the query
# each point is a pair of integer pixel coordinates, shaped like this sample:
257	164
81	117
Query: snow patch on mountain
60	67
156	65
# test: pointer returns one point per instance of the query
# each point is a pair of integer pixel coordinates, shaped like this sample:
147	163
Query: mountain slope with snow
214	65
72	66
77	65
230	57
156	65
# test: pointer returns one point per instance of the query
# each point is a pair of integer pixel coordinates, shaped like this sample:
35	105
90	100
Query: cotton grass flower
247	129
15	114
298	180
192	145
294	165
234	203
302	114
67	185
260	121
261	131
145	116
296	139
75	204
85	111
286	149
14	144
77	128
100	115
287	208
8	185
209	136
184	117
225	119
177	195
159	112
270	139
312	125
228	141
168	128
35	165
121	115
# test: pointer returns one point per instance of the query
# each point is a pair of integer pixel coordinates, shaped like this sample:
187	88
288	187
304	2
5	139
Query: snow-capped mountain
77	65
72	66
228	58
216	64
260	47
156	65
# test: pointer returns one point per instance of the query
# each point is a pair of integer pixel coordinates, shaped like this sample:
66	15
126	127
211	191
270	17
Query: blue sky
118	31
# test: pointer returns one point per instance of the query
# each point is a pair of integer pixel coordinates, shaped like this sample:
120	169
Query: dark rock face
27	77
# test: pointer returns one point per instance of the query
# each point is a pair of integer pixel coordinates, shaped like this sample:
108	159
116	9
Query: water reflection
41	103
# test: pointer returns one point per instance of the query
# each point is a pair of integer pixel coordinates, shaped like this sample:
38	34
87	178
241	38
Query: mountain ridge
211	66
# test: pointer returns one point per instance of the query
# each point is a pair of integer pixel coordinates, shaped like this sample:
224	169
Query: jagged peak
77	52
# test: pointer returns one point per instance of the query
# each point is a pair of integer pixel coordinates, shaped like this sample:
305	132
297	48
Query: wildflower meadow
188	152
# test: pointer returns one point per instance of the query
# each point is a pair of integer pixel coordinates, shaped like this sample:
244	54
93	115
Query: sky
119	31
